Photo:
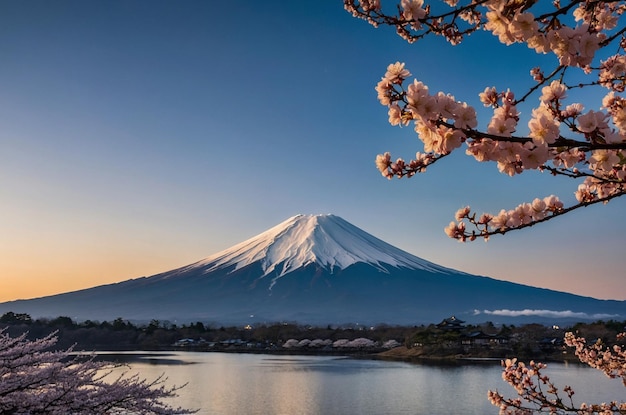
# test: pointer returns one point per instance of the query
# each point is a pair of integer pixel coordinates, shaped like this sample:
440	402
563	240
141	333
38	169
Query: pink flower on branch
396	73
561	138
538	394
489	97
586	143
36	380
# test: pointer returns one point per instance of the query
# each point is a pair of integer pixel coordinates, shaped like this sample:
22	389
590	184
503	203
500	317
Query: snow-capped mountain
316	269
327	241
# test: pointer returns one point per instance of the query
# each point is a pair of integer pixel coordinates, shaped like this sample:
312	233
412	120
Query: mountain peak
326	240
316	269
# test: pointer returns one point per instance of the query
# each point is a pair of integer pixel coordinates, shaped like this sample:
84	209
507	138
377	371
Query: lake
228	383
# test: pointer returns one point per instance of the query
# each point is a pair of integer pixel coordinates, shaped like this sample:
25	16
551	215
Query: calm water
223	383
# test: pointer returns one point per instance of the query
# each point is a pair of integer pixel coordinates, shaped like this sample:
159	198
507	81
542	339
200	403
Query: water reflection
224	384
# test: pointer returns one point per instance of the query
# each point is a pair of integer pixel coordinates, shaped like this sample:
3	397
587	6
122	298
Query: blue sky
140	136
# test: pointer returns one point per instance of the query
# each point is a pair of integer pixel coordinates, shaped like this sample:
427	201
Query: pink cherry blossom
412	10
465	117
446	105
396	73
539	209
499	221
561	139
462	213
498	24
553	204
38	380
544	128
590	121
603	159
384	90
612	73
572	110
534	157
489	97
554	91
395	115
382	163
539	43
501	125
369	5
556	136
523	26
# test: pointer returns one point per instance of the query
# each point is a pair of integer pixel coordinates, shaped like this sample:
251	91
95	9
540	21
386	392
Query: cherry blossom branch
523	216
559	142
400	168
413	23
542	81
577	174
610	360
35	380
538	394
595	148
610	39
595	154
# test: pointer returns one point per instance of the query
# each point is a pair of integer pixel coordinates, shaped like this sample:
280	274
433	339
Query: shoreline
399	354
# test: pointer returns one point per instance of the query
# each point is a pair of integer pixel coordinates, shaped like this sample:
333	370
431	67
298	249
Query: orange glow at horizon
26	279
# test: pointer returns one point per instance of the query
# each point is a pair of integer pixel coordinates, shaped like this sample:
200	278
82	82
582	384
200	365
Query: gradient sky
140	136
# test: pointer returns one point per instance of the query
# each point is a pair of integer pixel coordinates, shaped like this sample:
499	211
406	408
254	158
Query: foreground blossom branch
523	216
560	137
36	380
586	143
610	360
536	393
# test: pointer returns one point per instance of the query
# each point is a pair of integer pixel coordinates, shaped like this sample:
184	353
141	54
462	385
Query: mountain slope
325	240
316	269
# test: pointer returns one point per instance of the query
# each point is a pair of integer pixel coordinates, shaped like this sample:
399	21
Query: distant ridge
317	269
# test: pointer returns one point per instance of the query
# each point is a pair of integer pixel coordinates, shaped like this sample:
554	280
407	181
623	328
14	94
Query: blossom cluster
561	137
486	224
537	393
511	21
35	380
611	361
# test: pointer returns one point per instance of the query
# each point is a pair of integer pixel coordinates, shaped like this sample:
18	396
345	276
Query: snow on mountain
316	269
328	241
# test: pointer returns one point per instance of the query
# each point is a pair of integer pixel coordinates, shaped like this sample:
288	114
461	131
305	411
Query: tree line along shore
451	339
